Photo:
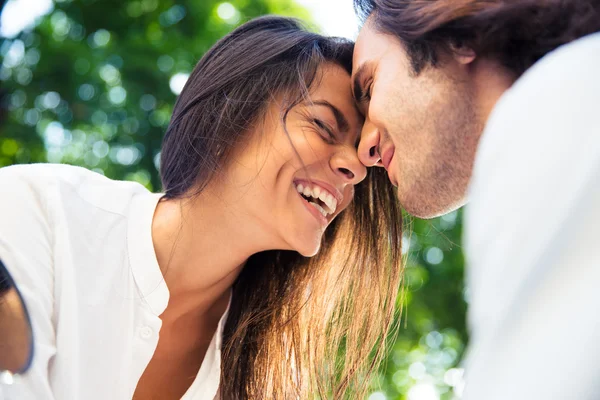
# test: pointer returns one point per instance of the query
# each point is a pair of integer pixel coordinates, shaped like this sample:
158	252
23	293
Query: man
501	98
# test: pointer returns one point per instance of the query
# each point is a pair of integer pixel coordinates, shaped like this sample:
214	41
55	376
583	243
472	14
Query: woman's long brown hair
298	328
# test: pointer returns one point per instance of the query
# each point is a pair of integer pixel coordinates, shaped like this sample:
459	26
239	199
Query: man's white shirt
532	236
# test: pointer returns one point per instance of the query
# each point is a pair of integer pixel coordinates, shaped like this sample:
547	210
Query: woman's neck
201	245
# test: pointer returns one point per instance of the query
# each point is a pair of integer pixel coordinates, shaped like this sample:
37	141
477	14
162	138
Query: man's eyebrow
357	89
341	120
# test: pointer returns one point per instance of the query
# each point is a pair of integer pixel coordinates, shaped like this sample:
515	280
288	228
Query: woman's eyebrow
341	120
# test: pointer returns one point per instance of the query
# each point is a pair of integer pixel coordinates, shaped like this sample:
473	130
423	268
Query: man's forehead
370	46
361	43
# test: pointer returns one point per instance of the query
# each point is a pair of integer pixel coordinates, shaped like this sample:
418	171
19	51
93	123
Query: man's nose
368	148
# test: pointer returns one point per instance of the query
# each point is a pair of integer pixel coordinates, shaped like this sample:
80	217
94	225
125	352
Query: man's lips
386	157
386	160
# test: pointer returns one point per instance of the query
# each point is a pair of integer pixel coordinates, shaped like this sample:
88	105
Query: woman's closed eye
325	130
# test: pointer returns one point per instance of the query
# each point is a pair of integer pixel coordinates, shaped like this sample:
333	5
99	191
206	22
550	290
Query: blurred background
93	83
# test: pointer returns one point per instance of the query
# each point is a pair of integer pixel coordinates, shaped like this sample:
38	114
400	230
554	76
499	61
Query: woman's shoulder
39	175
49	173
63	183
28	184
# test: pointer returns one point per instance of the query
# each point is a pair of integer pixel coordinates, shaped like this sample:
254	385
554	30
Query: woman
266	266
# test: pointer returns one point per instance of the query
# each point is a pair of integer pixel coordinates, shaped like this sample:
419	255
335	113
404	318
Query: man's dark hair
516	33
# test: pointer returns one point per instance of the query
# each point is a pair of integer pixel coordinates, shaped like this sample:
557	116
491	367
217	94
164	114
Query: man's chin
429	207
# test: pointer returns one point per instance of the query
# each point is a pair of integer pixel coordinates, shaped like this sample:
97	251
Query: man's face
423	128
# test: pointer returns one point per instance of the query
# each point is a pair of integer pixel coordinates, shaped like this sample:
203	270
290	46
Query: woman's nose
368	148
347	165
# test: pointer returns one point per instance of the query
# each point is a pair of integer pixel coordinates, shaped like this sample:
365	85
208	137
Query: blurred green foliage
93	85
423	363
90	85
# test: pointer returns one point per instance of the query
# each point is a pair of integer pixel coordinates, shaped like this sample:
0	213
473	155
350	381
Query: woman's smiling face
293	180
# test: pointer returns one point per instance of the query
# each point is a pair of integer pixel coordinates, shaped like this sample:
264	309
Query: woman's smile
320	199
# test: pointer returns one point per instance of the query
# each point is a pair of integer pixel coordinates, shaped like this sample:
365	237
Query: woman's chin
309	250
307	244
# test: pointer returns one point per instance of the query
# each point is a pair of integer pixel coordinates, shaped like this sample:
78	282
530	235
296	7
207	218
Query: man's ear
462	53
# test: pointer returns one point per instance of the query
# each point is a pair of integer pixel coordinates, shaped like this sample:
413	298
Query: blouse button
146	332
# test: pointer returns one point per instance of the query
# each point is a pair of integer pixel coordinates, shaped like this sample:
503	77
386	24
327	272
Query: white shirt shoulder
51	180
79	247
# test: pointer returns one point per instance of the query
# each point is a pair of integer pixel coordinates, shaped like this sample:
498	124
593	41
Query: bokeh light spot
117	95
99	117
172	16
125	155
448	221
17	99
134	9
434	255
228	13
5	73
149	5
141	176
14	55
86	92
54	134
423	391
157	161
434	339
77	32
24	76
100	149
165	63
453	377
377	396
100	38
54	155
61	25
147	102
51	100
177	82
400	378
32	57
32	117
405	244
110	74
90	159
417	370
10	147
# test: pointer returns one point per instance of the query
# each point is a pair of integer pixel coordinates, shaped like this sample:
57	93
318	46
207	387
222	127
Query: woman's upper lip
330	188
386	157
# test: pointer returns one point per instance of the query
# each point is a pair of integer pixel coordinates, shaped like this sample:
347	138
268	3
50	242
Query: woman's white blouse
79	247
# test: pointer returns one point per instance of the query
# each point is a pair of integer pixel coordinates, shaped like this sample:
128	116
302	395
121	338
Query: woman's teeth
318	193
